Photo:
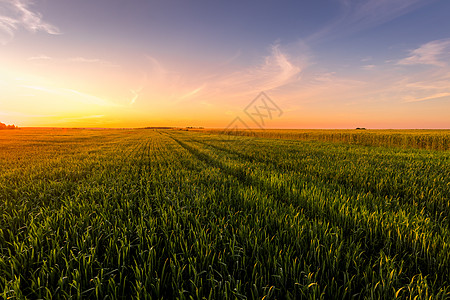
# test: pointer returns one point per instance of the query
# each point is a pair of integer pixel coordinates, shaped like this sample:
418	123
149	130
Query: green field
193	215
418	139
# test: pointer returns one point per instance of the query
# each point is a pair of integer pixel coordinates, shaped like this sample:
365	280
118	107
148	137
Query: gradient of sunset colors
327	63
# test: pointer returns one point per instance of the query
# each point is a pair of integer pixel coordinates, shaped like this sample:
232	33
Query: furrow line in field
372	226
248	208
438	212
405	209
251	184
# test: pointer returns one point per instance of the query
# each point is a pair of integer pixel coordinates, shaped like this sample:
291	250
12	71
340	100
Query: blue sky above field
326	64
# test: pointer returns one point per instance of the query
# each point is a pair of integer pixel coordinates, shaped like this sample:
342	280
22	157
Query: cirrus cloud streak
16	15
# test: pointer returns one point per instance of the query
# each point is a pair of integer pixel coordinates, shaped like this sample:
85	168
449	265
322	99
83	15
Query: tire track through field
350	223
238	205
438	212
405	209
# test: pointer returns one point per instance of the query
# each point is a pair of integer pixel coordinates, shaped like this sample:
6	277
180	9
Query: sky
322	64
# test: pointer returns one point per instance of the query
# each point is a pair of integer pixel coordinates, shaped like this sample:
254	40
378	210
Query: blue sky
327	64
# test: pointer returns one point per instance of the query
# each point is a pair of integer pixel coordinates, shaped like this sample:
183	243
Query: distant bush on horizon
4	126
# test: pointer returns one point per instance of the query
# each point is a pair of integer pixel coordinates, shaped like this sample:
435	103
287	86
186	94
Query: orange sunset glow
189	65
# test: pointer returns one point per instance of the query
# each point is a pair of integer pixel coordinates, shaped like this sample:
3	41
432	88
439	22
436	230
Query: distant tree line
4	126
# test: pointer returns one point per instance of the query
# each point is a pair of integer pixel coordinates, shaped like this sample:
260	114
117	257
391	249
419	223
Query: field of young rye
418	139
176	214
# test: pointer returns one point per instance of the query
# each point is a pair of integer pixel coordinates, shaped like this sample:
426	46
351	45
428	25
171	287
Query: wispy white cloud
40	57
157	82
276	70
368	67
374	12
165	85
358	15
280	67
16	14
136	94
193	92
432	53
155	66
80	59
391	84
83	118
7	28
422	86
74	94
21	114
86	60
431	97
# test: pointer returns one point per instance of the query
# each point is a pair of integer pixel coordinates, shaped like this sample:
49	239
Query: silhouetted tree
4	126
